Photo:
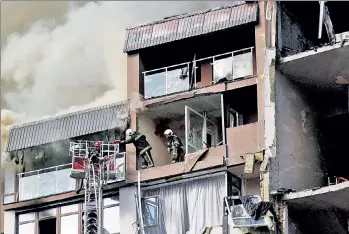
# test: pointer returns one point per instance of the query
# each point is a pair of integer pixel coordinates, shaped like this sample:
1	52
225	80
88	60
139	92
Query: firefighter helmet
168	132
129	132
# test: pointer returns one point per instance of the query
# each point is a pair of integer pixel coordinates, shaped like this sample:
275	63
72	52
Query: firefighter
94	154
174	146
143	147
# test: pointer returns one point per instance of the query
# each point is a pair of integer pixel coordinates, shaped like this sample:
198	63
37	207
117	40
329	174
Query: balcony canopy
114	116
190	25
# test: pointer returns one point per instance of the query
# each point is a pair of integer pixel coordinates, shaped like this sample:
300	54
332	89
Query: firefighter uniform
143	148
174	146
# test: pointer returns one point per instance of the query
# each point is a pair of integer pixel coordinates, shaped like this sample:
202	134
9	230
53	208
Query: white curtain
205	203
189	206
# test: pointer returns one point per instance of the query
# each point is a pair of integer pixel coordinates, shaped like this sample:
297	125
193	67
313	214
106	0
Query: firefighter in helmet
174	146
94	154
143	147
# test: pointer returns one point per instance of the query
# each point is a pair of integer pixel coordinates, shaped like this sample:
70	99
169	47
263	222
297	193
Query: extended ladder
95	175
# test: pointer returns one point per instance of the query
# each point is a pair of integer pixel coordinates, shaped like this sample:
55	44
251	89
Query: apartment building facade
205	76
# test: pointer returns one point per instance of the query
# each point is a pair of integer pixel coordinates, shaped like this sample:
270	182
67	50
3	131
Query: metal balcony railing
45	182
178	78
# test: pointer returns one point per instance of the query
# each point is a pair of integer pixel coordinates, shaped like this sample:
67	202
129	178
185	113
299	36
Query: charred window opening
338	12
47	226
241	106
299	25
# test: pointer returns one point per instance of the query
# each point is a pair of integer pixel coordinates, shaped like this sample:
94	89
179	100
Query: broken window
150	210
178	80
154	85
222	68
242	64
166	81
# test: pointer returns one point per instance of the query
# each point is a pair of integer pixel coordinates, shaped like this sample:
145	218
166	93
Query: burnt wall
300	164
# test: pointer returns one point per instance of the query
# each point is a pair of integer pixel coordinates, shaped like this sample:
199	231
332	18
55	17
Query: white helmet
129	132
168	132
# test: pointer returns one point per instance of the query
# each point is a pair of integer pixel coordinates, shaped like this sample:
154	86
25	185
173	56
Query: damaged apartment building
307	56
257	93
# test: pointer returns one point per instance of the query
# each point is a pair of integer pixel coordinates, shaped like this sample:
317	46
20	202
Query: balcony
45	182
229	66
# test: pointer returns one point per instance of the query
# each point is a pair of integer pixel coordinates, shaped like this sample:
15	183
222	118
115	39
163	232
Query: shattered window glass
196	124
178	80
150	207
222	68
242	65
154	85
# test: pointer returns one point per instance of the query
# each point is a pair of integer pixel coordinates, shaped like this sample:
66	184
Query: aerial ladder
95	169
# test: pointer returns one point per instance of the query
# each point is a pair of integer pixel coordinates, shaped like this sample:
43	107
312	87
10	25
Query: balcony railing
45	182
178	78
166	80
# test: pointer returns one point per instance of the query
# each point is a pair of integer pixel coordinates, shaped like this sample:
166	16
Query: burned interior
300	28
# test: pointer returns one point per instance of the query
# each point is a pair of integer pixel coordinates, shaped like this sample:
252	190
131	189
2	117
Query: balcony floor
325	197
325	68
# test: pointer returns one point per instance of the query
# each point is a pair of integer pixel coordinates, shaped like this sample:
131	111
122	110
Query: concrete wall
128	213
314	221
252	186
298	152
159	152
291	36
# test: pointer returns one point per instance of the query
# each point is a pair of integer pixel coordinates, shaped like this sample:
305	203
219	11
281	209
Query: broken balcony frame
230	58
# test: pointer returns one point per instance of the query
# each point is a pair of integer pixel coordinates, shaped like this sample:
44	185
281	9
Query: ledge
216	88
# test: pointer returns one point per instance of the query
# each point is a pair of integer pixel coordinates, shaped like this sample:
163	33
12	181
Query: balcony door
200	132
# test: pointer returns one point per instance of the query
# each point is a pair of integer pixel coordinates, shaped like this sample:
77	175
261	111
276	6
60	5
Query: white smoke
79	61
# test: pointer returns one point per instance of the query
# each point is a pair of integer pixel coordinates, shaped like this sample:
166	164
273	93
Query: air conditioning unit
240	218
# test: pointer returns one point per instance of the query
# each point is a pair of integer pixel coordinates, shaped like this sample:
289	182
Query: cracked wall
300	165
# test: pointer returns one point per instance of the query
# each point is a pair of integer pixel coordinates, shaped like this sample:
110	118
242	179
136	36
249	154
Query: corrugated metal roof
190	25
68	126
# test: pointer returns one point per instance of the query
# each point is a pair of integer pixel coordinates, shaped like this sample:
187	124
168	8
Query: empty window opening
337	11
47	226
299	27
241	106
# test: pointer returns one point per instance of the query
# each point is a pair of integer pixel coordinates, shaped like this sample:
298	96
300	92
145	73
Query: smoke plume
74	60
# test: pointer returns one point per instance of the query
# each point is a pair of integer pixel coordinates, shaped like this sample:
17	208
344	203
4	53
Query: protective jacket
139	141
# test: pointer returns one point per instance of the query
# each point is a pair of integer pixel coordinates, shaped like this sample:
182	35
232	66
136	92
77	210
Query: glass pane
222	68
196	124
70	224
69	209
242	65
10	177
111	220
47	213
178	80
154	85
150	211
26	217
28	228
111	201
9	199
47	183
28	187
64	182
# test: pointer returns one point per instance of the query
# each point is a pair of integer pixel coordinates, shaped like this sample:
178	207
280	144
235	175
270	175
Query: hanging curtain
172	210
205	203
189	207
